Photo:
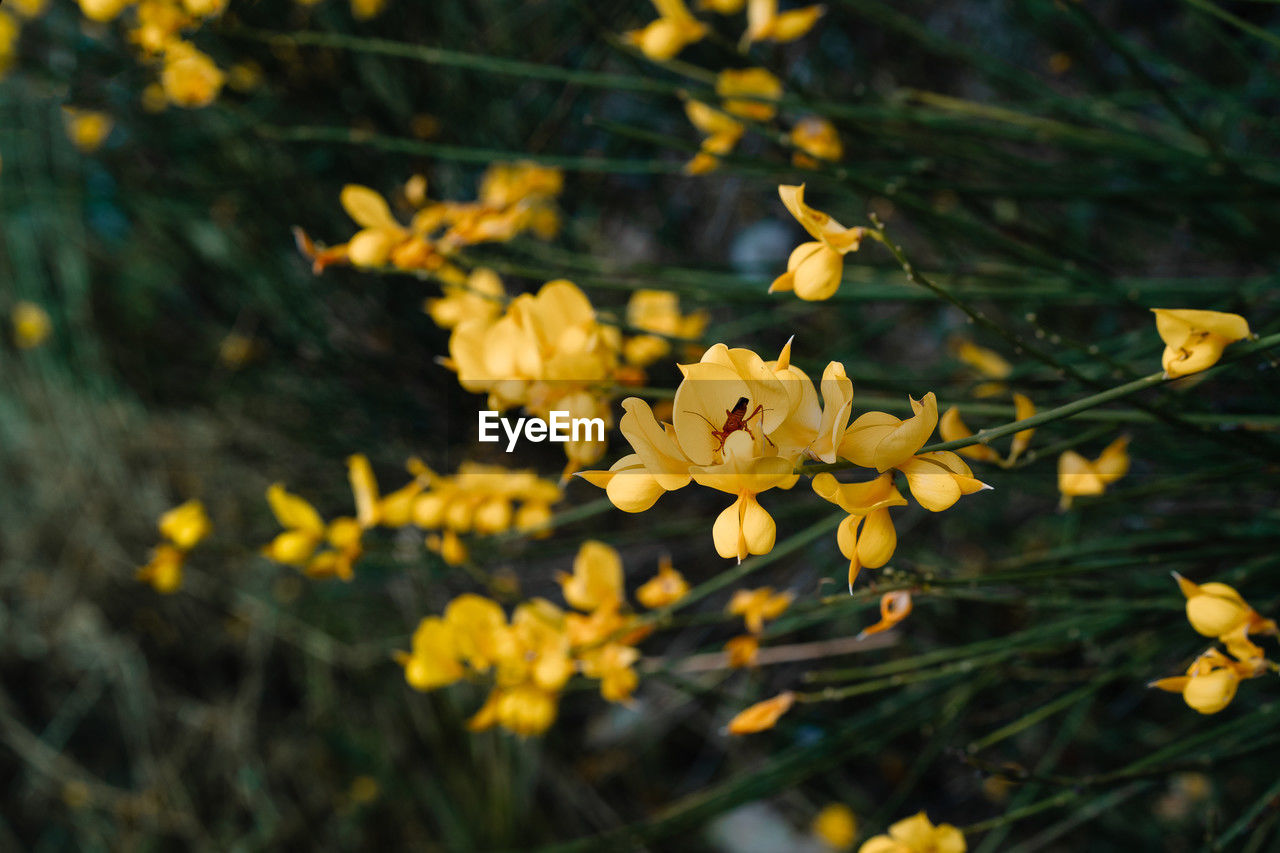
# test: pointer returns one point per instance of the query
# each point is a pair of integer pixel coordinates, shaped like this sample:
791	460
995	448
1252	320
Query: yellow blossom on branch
917	834
815	269
1194	340
815	139
755	606
836	826
766	23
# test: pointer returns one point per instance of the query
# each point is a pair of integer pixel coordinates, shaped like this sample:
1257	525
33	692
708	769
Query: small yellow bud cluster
676	28
533	655
514	198
755	606
1217	610
181	528
478	499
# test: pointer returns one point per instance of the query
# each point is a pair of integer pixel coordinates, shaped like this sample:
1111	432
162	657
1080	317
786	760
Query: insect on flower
734	421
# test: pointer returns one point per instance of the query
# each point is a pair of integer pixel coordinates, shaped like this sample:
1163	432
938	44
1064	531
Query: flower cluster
181	528
1217	610
531	656
751	94
187	77
741	425
676	28
478	499
513	198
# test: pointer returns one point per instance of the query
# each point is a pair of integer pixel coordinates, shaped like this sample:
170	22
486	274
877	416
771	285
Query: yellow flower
364	487
103	10
1209	684
189	78
816	139
675	29
9	31
762	715
916	834
866	537
164	572
185	525
722	7
815	268
477	624
611	664
836	826
596	581
1194	340
31	325
481	299
765	23
1023	409
87	129
1078	476
894	607
525	710
742	650
29	8
434	660
938	479
881	441
988	363
304	529
720	131
449	547
757	605
749	93
159	23
658	311
664	589
1217	610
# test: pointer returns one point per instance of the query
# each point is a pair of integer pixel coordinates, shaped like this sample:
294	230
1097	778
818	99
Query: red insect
734	420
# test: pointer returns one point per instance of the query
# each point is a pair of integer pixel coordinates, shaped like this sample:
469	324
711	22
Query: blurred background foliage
1055	168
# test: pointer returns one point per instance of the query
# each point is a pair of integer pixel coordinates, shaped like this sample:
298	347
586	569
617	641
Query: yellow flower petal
881	441
762	715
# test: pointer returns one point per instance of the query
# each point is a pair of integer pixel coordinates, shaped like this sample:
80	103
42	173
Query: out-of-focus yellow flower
750	93
836	827
762	715
526	710
815	268
755	606
364	488
916	834
816	140
304	529
31	325
953	428
1079	476
722	7
204	8
433	661
1023	408
87	129
894	607
244	76
664	589
164	571
481	298
190	78
673	31
611	664
364	10
596	581
1194	340
742	650
103	10
449	546
185	525
158	27
986	362
720	131
9	32
765	23
866	537
658	311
